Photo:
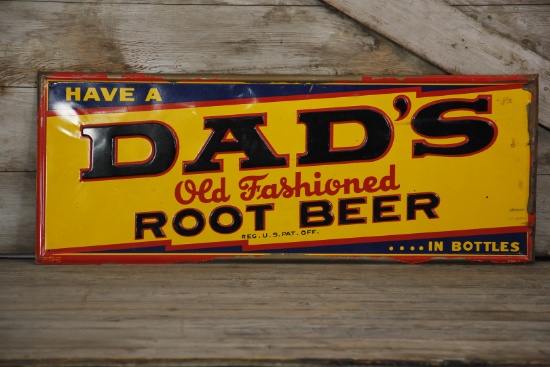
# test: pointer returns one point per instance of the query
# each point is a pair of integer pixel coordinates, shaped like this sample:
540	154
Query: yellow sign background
489	189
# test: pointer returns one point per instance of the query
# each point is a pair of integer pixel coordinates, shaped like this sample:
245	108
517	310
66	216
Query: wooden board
452	40
370	312
191	39
527	25
282	2
203	2
18	212
496	2
18	133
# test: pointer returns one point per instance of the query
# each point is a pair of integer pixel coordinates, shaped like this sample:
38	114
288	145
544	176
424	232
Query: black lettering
324	212
344	211
143	222
478	133
103	155
236	215
259	215
177	222
318	124
426	202
378	209
248	140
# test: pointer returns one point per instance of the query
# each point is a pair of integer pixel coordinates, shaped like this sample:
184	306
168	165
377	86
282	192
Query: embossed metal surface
139	169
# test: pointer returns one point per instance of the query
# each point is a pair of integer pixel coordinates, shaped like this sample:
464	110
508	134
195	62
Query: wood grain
542	238
371	312
459	44
118	38
280	2
497	2
528	25
18	133
543	152
196	2
283	2
17	212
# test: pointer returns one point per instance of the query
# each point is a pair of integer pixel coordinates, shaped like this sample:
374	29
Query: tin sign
142	169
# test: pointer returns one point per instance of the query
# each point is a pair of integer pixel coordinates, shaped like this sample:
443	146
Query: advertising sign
144	169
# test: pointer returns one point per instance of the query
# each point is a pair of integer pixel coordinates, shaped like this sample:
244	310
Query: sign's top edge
243	78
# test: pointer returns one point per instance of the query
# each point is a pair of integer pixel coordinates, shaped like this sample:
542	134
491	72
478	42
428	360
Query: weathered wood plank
17	213
191	39
528	25
521	22
277	2
543	152
18	133
459	44
542	240
291	311
196	2
497	2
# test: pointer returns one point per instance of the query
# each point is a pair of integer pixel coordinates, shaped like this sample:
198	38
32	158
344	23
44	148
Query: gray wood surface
497	2
199	2
372	312
528	25
191	39
452	40
18	212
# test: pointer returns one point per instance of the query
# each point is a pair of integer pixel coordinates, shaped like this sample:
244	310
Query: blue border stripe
475	245
188	93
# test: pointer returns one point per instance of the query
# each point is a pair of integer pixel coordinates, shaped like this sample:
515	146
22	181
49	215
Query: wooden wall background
238	313
214	37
